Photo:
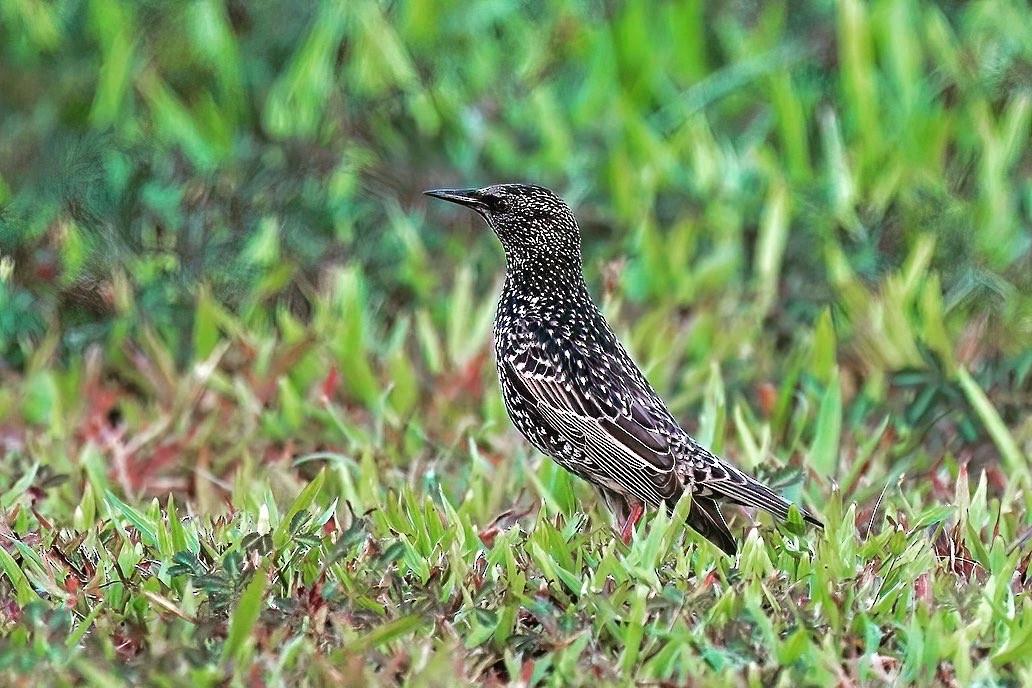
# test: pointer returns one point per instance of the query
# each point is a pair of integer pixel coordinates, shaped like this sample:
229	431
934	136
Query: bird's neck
556	280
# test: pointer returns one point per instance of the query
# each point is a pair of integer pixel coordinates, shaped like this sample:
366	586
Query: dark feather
573	390
727	482
706	519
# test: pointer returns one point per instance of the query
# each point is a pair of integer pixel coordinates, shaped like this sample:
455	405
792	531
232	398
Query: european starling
571	388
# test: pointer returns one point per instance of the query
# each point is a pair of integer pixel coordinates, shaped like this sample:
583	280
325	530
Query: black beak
467	197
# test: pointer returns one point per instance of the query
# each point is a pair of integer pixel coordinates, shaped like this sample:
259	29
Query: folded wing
589	398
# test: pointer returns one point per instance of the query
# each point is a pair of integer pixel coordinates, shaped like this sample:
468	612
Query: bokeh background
811	221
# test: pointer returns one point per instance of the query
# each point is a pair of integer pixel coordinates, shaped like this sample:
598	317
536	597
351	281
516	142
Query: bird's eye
497	205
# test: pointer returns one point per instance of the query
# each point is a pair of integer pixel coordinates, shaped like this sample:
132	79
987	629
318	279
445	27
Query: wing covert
589	397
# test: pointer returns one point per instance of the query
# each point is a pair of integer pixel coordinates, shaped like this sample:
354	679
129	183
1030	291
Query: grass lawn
249	427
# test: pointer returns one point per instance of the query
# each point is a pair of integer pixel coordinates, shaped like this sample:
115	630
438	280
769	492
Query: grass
249	425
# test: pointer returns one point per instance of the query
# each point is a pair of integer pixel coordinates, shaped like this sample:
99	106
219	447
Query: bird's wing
590	398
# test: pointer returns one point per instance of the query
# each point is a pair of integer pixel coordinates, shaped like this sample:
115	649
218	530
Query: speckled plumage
571	388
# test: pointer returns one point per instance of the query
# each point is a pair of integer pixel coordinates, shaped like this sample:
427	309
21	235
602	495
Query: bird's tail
747	491
705	517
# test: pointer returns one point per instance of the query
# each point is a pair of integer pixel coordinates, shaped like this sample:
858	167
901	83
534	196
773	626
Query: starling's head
532	223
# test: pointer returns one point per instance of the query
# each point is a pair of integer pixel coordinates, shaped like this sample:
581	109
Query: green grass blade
148	533
304	500
241	623
22	588
1018	465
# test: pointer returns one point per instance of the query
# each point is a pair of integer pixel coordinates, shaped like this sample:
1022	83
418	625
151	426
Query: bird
572	390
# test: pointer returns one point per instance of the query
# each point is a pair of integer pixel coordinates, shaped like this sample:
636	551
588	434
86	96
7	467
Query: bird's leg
636	510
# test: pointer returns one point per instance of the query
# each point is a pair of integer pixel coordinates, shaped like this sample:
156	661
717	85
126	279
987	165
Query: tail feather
706	519
752	493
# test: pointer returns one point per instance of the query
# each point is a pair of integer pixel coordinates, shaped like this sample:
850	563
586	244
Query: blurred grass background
811	221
